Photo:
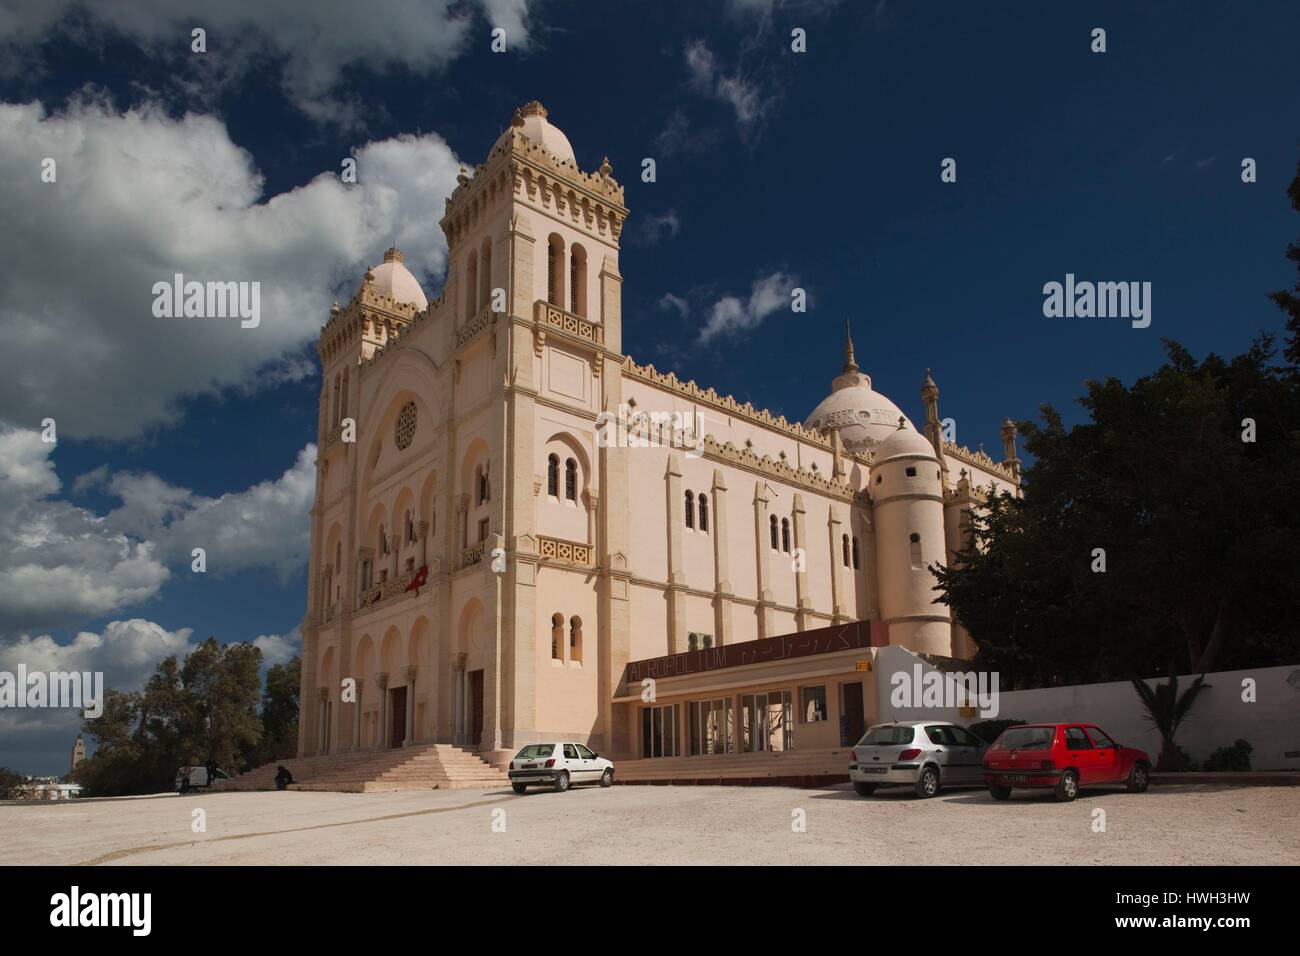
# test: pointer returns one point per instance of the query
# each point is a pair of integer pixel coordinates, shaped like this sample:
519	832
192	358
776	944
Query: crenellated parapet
980	459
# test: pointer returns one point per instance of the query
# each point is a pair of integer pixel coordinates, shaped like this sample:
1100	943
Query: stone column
381	738
394	553
306	681
676	578
410	706
322	723
423	533
762	551
839	595
356	716
721	562
803	603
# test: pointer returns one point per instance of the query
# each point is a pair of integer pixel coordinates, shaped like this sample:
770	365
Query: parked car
196	778
924	754
1063	758
559	765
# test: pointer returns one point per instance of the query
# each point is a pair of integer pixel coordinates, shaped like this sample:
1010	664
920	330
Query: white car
924	754
559	765
189	779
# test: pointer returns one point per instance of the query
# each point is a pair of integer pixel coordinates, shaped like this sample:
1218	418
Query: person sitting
282	777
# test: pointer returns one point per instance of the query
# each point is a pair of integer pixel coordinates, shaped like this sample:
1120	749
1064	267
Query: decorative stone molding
475	327
546	314
384	592
568	552
332	440
472	555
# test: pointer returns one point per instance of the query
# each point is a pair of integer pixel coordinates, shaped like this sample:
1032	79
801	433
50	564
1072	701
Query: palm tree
1166	709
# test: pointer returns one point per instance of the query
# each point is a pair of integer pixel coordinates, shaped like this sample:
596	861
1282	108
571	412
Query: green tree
280	712
10	780
1167	709
223	689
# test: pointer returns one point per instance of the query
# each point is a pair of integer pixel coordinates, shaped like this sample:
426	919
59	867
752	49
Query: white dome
393	279
530	120
864	416
904	443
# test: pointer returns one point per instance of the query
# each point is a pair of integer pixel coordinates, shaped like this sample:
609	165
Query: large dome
393	279
864	416
530	119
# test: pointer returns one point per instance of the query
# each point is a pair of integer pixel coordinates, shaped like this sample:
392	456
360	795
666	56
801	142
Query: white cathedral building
488	568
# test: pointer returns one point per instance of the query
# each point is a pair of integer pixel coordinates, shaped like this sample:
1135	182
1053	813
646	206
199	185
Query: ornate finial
850	363
929	379
463	176
334	309
605	167
393	254
517	119
370	275
901	423
533	108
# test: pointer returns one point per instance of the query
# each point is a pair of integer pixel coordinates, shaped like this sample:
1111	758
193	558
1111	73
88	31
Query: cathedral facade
515	523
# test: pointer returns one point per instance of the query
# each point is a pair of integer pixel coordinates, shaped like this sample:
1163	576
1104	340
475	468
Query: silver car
924	754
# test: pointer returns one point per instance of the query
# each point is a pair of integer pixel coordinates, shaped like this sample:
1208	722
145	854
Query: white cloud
314	43
141	196
743	94
675	302
279	648
263	526
60	562
658	225
732	315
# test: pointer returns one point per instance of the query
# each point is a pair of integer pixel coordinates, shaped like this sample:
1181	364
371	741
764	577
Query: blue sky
774	169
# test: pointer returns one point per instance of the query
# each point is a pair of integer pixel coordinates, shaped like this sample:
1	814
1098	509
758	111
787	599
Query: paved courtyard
1196	824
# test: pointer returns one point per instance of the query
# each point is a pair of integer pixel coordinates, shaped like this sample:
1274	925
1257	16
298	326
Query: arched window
571	479
916	551
856	561
771	521
555	271
785	535
383	541
704	512
690	509
557	635
578	280
410	528
483	483
575	638
471	285
846	550
553	476
338	414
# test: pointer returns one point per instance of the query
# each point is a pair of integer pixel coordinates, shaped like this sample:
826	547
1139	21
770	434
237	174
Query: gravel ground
1198	824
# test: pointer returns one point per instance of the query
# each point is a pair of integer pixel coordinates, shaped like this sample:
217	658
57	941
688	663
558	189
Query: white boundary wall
1271	724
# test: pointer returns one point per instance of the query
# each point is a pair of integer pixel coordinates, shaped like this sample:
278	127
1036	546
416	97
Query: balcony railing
473	554
555	317
569	552
384	591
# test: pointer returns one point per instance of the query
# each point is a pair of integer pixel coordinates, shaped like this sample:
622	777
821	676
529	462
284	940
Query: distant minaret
78	752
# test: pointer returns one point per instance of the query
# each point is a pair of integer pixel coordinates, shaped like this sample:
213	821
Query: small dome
531	120
393	279
905	442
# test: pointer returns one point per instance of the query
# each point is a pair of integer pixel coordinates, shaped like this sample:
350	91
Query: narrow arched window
690	509
485	274
383	541
555	271
578	280
704	512
771	522
575	638
916	551
846	550
410	528
557	635
571	479
785	535
553	476
471	285
856	561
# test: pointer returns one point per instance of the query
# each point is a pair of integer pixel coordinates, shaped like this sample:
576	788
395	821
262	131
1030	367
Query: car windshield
887	735
1026	738
535	751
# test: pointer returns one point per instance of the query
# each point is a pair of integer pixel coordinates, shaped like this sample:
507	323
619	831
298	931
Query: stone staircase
422	767
790	768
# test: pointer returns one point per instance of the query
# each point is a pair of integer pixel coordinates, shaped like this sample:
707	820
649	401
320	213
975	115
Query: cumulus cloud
263	526
61	562
279	648
732	315
313	44
141	196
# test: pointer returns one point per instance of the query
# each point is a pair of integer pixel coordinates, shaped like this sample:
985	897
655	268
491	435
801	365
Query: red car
1062	757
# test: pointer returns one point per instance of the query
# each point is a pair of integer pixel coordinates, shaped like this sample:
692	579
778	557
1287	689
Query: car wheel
927	785
1139	778
519	787
864	789
1068	787
607	778
999	793
562	782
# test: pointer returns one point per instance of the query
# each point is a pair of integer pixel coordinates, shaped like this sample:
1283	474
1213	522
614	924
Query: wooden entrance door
475	707
397	733
853	723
